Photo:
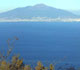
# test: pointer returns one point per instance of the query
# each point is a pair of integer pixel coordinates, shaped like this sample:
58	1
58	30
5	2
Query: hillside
39	10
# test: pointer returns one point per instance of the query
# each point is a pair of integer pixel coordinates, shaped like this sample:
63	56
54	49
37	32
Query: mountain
76	12
39	10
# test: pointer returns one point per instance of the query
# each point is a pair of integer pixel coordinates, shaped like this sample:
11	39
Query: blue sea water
49	42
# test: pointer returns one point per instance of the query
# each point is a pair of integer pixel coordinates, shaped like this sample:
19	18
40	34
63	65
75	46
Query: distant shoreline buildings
43	19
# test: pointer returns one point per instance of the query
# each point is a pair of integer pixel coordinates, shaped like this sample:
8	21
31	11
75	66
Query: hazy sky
62	4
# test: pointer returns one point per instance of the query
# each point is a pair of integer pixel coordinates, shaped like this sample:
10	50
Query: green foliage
17	64
51	67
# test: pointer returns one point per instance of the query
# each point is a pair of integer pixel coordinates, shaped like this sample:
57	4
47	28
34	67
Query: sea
49	42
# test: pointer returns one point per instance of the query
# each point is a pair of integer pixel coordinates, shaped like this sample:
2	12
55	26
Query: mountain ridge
39	10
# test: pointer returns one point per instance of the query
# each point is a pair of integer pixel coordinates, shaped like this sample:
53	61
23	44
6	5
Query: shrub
15	63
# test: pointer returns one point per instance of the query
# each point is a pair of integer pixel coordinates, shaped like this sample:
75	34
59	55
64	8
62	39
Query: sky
6	5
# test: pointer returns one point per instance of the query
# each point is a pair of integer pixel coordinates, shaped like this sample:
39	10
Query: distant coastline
38	13
42	20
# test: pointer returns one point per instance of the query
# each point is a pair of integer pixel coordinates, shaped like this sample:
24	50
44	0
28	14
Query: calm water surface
48	42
